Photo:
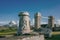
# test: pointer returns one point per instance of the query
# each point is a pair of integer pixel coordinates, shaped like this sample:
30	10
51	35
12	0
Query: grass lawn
7	33
55	36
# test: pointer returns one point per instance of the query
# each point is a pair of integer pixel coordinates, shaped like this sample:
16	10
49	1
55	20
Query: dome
38	14
12	22
23	14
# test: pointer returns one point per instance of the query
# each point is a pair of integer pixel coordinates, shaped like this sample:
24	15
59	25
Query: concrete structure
24	26
37	20
35	37
47	32
50	21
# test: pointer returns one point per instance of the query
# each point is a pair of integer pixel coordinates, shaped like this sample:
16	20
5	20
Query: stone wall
41	37
36	37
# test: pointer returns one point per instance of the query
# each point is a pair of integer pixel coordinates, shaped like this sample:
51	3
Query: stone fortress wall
37	37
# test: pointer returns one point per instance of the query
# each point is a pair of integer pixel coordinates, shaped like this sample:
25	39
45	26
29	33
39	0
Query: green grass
55	36
7	32
55	33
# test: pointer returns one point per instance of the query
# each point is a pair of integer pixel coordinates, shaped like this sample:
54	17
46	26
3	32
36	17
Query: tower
24	26
51	21
37	20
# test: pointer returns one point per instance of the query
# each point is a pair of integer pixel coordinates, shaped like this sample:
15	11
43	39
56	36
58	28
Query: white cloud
58	21
44	23
45	17
18	23
4	22
33	21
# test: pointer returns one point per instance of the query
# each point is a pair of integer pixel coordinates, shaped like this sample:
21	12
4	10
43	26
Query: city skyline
9	9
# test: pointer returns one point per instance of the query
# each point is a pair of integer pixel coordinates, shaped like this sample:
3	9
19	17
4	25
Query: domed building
12	24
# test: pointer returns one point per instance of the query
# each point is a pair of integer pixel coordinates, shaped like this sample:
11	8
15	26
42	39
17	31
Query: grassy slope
56	36
8	32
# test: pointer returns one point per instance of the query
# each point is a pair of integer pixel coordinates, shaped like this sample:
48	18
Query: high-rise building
24	26
37	20
51	21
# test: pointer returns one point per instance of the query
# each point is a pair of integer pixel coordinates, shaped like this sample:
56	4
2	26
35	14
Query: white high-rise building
24	26
37	20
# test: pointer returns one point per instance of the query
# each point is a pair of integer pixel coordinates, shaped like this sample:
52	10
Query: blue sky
9	9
